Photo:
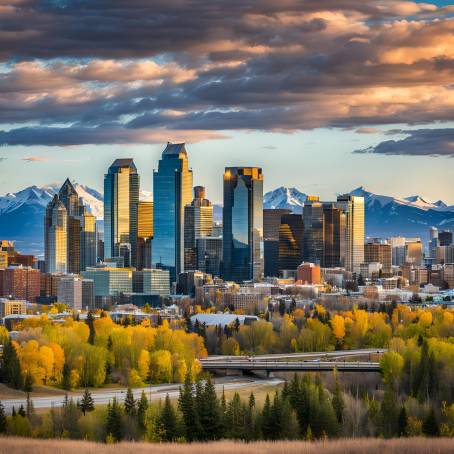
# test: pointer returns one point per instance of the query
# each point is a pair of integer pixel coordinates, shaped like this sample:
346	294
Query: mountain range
22	213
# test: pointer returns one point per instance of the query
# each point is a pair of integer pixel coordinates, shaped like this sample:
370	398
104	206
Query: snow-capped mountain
409	216
22	213
282	197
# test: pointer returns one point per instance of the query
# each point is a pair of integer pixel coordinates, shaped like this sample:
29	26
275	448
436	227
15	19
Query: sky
324	95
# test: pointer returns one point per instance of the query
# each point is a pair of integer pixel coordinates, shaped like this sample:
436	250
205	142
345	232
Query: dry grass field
346	446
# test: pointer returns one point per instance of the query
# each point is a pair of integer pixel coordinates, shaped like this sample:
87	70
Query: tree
21	411
168	421
113	422
11	370
209	414
66	377
267	419
142	407
402	423
130	403
187	408
338	401
430	425
391	366
91	326
28	383
87	403
3	422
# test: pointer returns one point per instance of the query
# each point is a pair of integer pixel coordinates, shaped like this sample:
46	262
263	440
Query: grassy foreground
12	445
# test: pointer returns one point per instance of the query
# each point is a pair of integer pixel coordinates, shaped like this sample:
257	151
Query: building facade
172	185
243	224
56	240
121	199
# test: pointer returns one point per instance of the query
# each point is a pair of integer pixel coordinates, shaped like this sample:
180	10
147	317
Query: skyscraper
353	207
144	234
121	199
291	242
172	184
198	223
243	224
55	233
271	224
87	240
334	233
313	230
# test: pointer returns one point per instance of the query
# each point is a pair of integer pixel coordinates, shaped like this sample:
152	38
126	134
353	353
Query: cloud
419	142
365	130
88	72
35	159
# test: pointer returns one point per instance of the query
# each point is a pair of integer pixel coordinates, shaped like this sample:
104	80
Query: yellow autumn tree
161	367
338	327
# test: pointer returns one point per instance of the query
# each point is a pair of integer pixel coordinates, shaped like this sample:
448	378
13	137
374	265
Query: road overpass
288	366
304	356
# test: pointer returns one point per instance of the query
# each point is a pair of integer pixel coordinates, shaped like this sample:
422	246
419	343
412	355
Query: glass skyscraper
121	199
243	224
172	186
55	232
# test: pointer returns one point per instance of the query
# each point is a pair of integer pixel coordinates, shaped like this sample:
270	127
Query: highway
310	366
103	396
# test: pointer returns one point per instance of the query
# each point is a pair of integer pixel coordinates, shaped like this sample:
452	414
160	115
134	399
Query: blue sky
293	87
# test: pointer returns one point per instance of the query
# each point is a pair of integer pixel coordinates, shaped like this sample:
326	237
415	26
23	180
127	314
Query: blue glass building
172	190
243	224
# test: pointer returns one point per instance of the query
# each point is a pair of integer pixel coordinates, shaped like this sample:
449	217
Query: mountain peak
284	197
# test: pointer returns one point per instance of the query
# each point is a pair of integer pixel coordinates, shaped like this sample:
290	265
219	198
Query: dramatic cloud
103	71
419	142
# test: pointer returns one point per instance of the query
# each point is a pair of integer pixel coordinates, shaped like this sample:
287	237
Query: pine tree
13	413
3	422
87	403
66	377
209	413
11	366
21	411
389	413
113	423
402	422
168	421
266	419
142	407
338	401
30	412
187	408
28	383
91	326
430	425
130	403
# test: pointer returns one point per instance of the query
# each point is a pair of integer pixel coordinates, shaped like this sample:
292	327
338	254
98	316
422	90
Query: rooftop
122	164
174	149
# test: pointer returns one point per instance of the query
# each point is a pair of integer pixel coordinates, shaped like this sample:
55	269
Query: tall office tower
121	199
271	224
172	185
87	240
243	224
70	199
375	252
55	237
198	223
209	255
144	234
334	234
291	242
445	238
353	207
313	230
433	241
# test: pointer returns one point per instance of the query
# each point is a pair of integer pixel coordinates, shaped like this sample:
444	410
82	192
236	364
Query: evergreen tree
28	383
13	413
430	425
168	421
91	326
142	407
187	408
66	377
30	412
402	422
3	422
70	416
87	403
338	401
12	373
130	403
266	419
389	413
113	423
235	418
21	411
209	413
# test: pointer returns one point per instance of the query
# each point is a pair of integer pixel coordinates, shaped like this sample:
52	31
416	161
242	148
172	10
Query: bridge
310	362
